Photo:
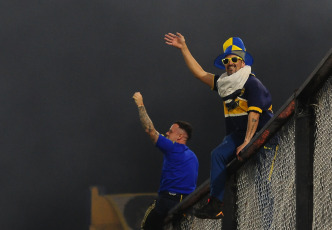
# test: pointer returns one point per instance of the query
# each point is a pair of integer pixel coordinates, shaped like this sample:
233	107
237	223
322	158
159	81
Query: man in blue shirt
247	108
179	171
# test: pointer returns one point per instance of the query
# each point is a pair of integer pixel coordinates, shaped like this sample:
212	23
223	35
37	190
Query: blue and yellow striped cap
234	45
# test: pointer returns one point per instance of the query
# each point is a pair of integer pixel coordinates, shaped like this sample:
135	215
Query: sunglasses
225	61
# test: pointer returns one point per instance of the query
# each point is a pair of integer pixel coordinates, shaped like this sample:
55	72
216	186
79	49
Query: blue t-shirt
253	97
180	167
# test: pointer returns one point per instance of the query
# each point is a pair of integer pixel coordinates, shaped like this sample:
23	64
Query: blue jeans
220	157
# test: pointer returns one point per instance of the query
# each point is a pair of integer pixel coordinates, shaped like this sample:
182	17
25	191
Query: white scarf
229	84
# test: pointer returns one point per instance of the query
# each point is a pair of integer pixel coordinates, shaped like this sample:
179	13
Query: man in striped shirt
247	108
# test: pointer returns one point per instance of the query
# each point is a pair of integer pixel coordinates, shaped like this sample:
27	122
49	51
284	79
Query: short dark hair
186	126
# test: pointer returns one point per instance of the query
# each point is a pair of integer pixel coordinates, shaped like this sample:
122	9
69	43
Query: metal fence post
304	150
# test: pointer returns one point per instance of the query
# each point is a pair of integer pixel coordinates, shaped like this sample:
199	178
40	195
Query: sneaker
212	210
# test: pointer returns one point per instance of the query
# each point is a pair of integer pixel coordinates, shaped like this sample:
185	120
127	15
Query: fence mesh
322	177
190	222
266	185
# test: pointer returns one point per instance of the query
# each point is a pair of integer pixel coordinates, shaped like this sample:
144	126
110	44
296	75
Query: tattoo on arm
147	123
144	118
251	128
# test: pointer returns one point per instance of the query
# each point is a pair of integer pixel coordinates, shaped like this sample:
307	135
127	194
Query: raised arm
253	119
179	42
145	119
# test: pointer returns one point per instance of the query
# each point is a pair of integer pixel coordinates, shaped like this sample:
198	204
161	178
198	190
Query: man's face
232	67
173	133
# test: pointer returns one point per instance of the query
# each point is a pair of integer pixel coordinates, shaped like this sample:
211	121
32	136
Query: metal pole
304	150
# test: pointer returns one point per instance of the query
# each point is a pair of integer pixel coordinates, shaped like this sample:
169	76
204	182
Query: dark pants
220	157
158	210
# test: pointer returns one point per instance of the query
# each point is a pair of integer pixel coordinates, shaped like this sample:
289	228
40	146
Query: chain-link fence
322	192
188	221
266	185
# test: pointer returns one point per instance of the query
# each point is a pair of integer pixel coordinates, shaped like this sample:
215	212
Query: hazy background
68	70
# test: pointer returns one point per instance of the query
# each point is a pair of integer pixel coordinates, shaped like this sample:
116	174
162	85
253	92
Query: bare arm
253	119
145	119
178	41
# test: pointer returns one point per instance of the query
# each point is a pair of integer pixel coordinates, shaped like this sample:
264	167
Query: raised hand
138	99
177	40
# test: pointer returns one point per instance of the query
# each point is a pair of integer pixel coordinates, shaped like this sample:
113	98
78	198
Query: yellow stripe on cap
234	47
228	43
